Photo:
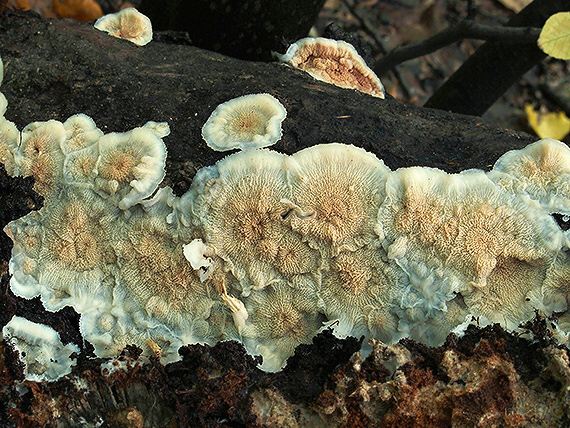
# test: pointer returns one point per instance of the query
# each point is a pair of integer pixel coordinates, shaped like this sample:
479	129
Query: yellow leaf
554	38
549	125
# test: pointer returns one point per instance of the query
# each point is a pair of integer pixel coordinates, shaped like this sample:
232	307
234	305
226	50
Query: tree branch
495	66
466	29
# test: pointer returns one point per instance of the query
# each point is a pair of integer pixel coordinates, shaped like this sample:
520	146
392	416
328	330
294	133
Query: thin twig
466	29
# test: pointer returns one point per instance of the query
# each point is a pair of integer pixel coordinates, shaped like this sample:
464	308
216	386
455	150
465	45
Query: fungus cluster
268	249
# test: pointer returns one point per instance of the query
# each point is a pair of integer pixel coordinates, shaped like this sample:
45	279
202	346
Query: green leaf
554	38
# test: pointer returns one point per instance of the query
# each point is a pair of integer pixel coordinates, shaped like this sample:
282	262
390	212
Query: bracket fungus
335	62
127	24
268	249
247	122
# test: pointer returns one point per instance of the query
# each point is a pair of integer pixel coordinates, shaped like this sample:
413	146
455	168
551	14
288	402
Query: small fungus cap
247	122
81	132
127	24
135	160
335	62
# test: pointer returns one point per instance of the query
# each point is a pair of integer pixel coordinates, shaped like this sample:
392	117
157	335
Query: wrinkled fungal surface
288	244
247	122
44	356
335	62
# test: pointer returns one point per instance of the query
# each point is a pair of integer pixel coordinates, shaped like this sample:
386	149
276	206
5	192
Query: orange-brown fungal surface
127	24
335	62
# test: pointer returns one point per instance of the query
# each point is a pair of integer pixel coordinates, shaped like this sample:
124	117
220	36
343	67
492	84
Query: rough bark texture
56	69
248	29
495	66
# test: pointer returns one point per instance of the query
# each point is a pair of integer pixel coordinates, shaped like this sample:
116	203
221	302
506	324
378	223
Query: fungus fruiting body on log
268	249
44	356
127	24
247	122
335	62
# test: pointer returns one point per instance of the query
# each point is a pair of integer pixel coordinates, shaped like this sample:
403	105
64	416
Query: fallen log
54	69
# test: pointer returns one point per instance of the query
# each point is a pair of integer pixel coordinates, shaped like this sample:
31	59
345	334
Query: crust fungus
336	192
247	122
289	242
62	251
541	170
81	132
358	282
461	222
511	294
79	166
161	285
40	154
335	62
238	207
280	318
9	139
556	286
130	165
45	357
127	24
161	129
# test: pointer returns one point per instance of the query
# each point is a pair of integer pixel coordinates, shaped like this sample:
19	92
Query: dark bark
495	66
54	69
247	29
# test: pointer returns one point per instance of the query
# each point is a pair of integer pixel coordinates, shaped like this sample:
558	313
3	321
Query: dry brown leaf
80	10
42	7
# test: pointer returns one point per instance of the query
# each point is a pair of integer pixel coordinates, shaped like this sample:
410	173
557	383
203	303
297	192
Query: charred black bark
247	29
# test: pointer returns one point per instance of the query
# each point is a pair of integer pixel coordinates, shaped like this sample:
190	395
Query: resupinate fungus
268	249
